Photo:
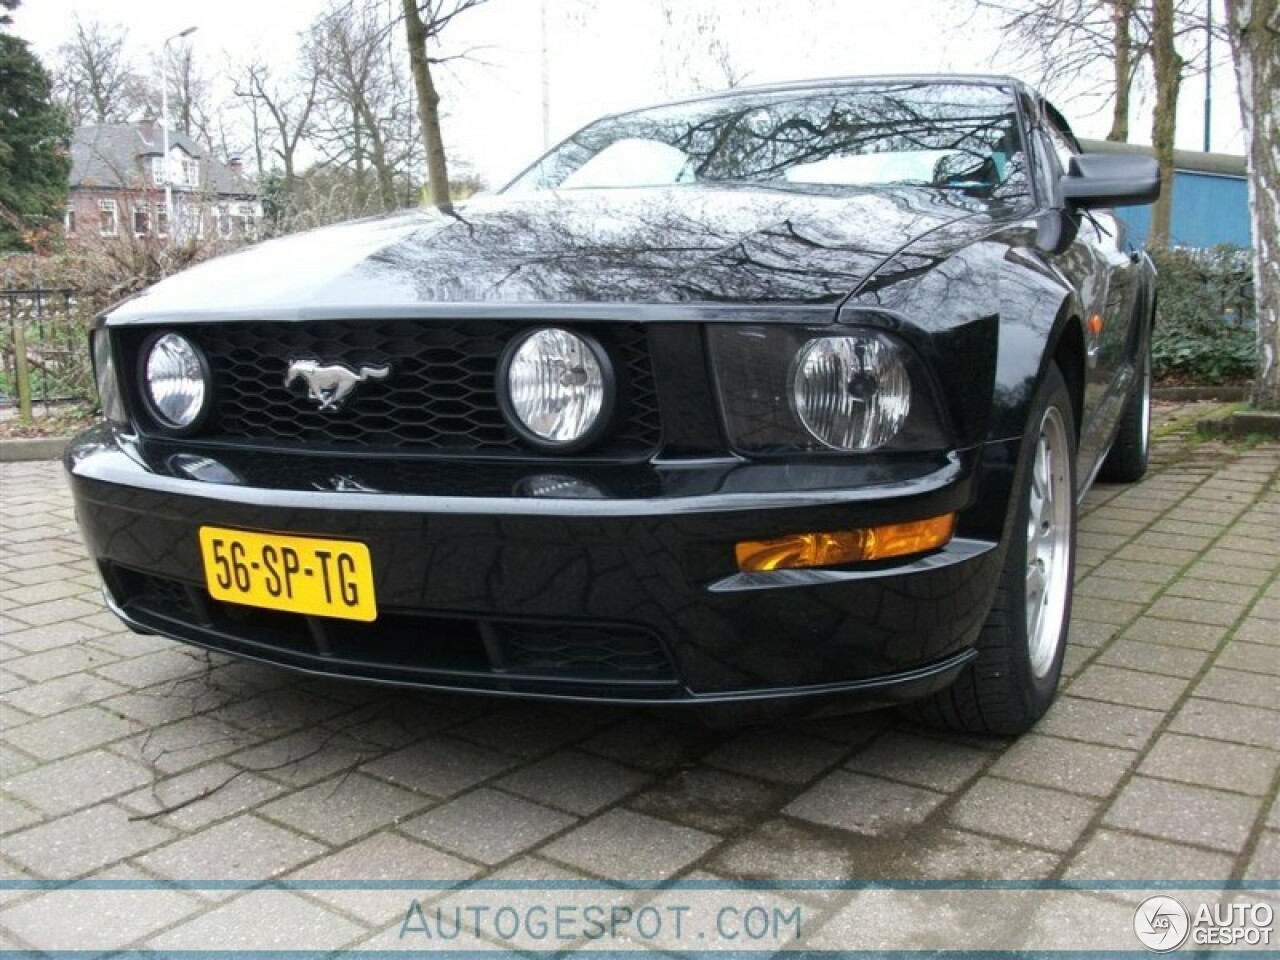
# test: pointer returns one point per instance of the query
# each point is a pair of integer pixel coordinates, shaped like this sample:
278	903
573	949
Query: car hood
728	245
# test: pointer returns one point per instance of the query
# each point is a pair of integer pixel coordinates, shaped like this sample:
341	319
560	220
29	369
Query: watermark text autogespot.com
567	923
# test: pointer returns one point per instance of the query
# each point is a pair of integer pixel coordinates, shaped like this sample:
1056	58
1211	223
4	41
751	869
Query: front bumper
607	584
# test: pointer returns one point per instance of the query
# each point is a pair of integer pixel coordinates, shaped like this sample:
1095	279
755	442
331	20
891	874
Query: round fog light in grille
175	379
558	388
851	393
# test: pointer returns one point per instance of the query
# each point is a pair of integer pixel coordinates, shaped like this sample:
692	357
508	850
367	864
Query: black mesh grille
607	652
440	396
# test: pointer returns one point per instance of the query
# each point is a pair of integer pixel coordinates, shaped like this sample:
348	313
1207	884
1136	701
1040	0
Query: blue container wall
1208	210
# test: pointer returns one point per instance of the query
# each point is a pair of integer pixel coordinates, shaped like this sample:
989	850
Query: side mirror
1110	180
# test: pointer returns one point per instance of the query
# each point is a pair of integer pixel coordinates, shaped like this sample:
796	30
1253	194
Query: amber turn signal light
832	548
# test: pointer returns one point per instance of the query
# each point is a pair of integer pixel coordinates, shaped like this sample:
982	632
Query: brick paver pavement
125	757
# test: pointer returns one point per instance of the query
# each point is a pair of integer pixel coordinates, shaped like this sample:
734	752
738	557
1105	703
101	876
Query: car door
1107	291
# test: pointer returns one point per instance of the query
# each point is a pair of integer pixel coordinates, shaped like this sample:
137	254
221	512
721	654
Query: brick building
117	186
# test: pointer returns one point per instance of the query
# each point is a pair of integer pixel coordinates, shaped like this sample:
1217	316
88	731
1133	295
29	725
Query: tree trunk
1167	66
1122	18
1254	27
428	104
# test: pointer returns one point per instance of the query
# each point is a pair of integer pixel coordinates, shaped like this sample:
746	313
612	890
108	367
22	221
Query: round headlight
851	393
176	381
558	388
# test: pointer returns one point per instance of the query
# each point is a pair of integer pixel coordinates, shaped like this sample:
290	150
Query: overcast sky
607	55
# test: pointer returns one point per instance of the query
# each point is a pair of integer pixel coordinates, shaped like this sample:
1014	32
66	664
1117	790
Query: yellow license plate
327	578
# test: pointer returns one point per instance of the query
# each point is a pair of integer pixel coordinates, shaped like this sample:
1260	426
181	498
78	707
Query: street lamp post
170	220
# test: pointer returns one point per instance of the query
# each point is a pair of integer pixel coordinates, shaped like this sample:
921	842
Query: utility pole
164	119
546	79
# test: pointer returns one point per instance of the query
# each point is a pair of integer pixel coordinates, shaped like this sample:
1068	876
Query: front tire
1020	648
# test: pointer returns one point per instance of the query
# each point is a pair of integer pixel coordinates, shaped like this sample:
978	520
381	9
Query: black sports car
783	396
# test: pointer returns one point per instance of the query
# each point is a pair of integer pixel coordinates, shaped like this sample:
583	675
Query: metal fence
44	349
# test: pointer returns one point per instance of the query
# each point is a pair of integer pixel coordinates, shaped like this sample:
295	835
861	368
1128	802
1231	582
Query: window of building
248	214
190	171
108	218
157	171
69	220
141	219
162	220
222	213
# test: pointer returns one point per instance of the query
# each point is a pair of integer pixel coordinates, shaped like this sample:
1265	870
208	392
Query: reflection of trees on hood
682	246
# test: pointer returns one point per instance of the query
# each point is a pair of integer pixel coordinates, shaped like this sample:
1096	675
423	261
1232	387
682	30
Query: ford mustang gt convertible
777	398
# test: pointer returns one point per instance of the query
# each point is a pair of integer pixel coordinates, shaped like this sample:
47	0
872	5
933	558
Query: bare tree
364	109
1167	65
695	56
1254	29
93	76
424	22
279	114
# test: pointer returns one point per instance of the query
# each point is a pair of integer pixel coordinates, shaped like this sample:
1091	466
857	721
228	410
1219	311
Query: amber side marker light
832	548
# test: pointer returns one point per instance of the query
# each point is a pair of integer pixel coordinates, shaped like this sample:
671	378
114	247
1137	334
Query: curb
1227	394
35	448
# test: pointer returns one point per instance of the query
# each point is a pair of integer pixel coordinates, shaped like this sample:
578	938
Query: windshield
951	136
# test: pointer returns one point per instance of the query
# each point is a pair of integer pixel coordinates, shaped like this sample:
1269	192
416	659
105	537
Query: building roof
116	155
1220	164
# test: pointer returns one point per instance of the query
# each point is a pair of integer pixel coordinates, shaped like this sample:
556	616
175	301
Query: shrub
1205	326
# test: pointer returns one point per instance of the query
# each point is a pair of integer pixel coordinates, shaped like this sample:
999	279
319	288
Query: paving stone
62	694
1065	764
179	746
577	782
338	811
1128	687
1196	636
1116	612
75	920
1184	813
51	611
625	845
1020	812
1154	657
81	842
1232	686
919	761
75	782
1258	631
1237	594
524	731
15	815
1207	569
440	766
710	800
302	758
259	921
772	754
959	855
1211	763
1087	633
487	825
1264	862
57	662
1228	721
243	848
381	857
71	732
13	762
1112	588
164	666
198	797
867	805
1251	658
50	637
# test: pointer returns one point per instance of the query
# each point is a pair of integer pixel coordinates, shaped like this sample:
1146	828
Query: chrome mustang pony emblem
330	384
